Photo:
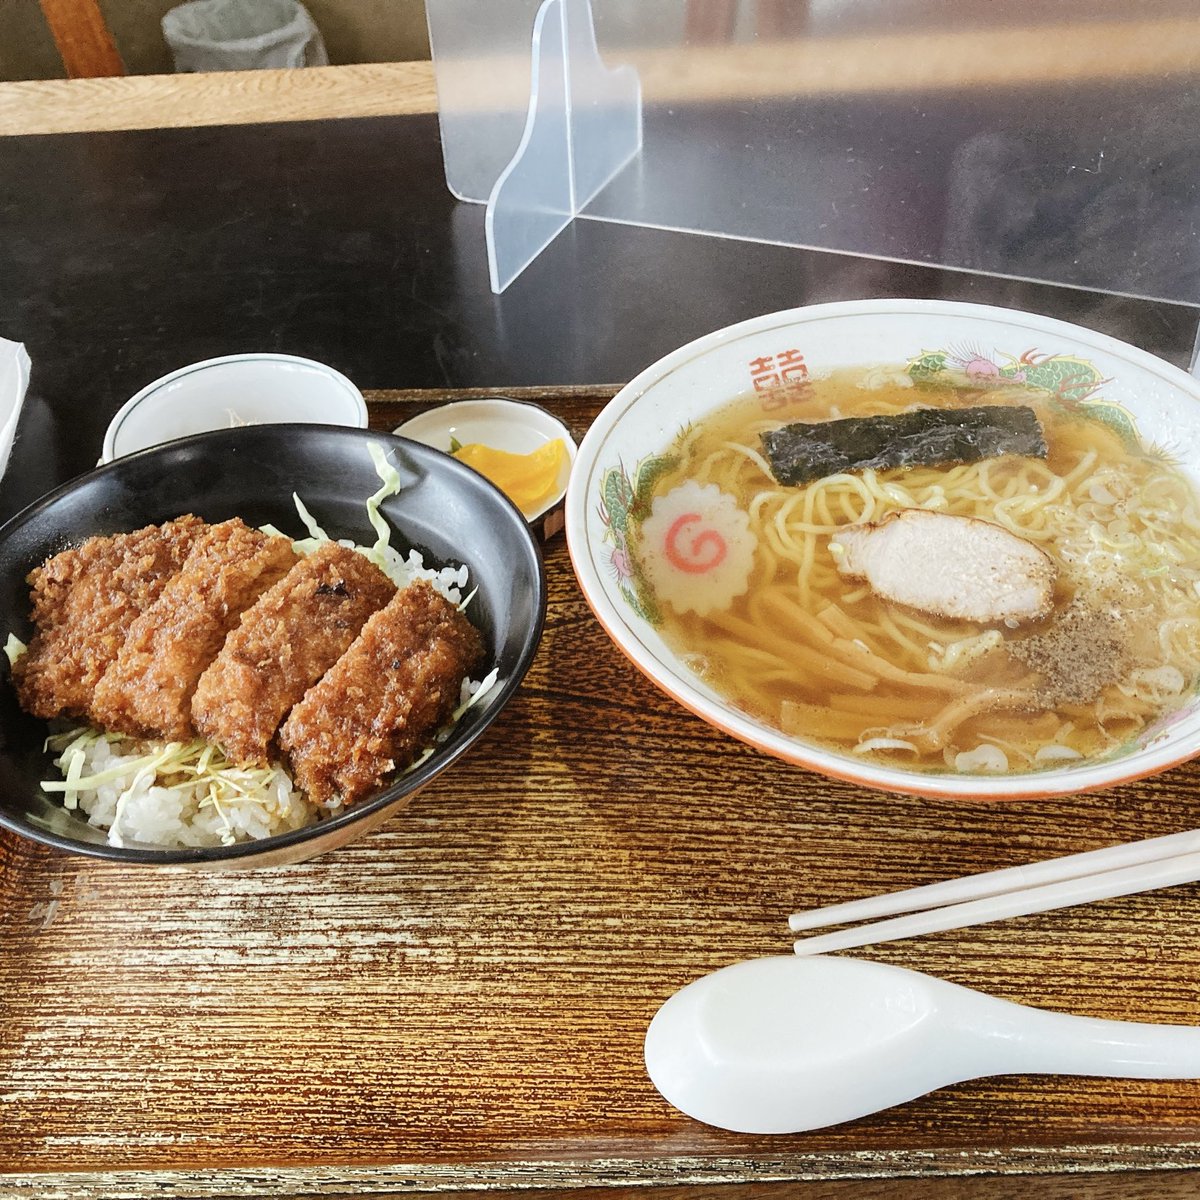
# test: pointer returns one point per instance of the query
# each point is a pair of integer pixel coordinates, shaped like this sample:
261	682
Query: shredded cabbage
175	766
399	569
14	648
391	487
316	535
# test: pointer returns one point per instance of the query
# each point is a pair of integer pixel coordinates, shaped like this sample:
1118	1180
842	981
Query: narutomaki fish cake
284	643
380	704
148	689
84	601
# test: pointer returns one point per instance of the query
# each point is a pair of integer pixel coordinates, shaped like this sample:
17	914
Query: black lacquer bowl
445	510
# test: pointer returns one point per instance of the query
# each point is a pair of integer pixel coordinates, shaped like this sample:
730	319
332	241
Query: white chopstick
1124	881
996	883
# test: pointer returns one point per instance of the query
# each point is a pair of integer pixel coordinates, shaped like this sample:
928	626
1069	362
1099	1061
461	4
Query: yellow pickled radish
528	480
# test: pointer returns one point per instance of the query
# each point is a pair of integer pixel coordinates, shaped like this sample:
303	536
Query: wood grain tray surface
459	1000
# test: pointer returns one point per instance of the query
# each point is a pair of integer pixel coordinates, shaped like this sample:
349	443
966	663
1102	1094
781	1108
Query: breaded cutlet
84	601
147	690
283	644
383	700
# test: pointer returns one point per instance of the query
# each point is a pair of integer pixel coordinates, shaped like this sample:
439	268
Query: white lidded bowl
236	389
1154	400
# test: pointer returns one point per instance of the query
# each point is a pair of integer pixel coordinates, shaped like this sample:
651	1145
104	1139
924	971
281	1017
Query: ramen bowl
775	361
450	515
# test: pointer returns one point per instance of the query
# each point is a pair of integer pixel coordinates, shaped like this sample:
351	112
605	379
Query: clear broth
819	655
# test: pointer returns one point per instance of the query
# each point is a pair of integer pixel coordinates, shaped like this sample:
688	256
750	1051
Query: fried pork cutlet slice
383	700
284	643
148	689
84	601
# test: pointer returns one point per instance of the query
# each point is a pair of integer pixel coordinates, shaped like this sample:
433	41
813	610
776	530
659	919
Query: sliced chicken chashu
962	568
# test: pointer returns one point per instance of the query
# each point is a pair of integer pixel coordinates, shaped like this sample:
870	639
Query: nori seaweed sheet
925	437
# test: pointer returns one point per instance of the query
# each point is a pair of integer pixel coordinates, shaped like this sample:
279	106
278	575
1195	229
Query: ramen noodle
748	577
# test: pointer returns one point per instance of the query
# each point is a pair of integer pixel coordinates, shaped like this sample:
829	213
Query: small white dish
502	424
237	389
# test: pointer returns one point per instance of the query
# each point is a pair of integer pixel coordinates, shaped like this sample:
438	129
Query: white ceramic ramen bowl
237	389
774	356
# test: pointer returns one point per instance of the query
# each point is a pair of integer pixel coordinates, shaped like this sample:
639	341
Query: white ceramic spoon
780	1045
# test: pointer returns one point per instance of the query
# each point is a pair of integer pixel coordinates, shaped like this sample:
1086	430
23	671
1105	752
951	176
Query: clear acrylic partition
1050	142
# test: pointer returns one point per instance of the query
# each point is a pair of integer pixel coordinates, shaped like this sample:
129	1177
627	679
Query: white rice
447	581
195	797
122	786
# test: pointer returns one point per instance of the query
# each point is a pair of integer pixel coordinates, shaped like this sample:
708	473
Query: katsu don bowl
248	647
926	547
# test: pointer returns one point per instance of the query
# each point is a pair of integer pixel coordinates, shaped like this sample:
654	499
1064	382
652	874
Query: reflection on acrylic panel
1053	143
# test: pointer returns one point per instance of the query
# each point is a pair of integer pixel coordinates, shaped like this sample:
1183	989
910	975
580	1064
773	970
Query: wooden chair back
83	38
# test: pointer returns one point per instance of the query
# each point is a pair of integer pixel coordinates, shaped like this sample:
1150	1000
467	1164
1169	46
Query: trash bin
243	35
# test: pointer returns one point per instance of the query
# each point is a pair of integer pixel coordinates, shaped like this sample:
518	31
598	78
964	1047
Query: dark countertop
125	255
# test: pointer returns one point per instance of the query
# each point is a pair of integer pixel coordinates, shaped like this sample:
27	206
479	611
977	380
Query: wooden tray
459	1000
